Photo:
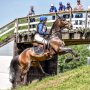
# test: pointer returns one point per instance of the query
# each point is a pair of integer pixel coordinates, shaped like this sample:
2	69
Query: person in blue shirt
68	9
61	7
41	31
52	10
31	13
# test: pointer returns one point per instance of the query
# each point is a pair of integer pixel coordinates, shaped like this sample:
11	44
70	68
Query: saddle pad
38	50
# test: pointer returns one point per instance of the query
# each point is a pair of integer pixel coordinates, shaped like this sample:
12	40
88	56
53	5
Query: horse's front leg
64	50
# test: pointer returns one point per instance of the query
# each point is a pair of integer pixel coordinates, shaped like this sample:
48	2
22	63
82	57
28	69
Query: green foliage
22	20
81	50
5	36
23	27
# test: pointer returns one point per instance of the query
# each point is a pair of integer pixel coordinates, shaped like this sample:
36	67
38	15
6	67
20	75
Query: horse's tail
14	66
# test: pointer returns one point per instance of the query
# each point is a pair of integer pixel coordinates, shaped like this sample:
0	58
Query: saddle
38	50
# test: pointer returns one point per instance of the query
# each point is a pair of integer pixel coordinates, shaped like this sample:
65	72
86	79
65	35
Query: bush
81	50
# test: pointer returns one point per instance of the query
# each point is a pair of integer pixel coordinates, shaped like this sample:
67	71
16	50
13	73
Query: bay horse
20	64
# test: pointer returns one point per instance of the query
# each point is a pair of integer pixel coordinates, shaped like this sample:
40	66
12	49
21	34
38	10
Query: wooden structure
22	27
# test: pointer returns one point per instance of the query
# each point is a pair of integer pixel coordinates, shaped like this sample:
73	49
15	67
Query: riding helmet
43	18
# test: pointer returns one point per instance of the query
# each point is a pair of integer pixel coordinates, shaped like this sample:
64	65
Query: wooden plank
76	41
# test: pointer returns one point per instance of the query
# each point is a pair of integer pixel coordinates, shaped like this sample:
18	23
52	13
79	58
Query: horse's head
63	23
59	25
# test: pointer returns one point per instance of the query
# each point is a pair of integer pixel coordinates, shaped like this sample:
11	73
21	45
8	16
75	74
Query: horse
21	64
60	24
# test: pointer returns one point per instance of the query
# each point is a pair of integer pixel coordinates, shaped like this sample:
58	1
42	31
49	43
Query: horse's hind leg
44	73
24	73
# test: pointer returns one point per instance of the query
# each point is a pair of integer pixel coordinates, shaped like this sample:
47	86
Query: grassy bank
76	79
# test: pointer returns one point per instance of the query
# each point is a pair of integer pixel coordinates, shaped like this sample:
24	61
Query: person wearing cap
52	10
41	31
61	7
78	7
68	8
31	13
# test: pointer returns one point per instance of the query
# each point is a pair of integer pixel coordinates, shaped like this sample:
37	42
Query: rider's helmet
60	3
43	18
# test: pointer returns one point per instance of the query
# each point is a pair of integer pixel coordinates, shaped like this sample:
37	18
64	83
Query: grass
76	79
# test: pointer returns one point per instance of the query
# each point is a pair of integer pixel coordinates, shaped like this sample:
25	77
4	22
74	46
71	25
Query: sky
12	9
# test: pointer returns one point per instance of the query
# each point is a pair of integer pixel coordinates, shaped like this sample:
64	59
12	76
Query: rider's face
45	21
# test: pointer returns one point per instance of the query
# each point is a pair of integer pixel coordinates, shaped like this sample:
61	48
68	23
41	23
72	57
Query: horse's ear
58	16
61	17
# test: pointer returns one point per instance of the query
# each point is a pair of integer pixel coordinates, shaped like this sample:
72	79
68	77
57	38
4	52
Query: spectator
78	15
52	10
31	13
68	8
61	7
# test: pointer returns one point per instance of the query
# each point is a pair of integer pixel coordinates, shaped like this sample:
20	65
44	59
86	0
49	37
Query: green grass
76	79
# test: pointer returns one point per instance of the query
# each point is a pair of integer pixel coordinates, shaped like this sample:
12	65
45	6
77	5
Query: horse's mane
54	24
52	27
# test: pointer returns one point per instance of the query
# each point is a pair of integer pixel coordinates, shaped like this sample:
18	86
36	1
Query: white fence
17	24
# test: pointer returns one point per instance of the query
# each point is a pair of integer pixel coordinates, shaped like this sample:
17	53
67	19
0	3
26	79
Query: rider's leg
41	40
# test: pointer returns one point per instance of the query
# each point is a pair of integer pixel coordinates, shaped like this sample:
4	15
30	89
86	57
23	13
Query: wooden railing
23	24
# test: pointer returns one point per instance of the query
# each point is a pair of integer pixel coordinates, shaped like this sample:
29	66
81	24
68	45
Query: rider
41	31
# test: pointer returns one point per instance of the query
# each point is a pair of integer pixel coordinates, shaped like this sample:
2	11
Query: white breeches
40	39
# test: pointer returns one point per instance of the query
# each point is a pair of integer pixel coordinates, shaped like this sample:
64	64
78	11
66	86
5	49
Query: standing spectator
31	13
61	7
52	10
78	7
68	8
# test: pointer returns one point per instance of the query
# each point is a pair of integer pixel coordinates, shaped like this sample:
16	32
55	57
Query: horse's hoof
76	55
68	60
78	59
46	74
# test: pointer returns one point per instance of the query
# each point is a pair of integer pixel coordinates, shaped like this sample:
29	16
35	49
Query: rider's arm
55	9
40	30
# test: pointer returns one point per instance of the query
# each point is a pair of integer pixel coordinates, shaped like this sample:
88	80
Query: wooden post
16	29
86	20
55	16
28	23
85	25
70	14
